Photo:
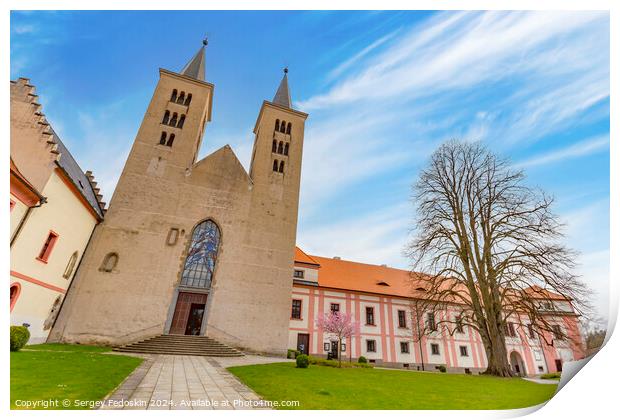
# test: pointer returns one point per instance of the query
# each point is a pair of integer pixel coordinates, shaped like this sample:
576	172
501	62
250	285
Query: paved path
168	382
543	381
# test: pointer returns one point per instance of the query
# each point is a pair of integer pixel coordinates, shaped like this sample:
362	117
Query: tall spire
283	96
195	68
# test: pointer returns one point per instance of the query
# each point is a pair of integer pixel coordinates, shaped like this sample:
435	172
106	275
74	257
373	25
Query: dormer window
298	274
382	283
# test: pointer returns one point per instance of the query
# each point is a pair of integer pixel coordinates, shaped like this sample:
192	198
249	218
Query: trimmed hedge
442	368
19	337
362	359
555	375
334	363
302	361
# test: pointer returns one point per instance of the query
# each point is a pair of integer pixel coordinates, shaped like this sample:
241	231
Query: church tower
194	247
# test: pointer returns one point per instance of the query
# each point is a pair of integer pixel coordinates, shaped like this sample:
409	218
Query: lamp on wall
343	347
326	346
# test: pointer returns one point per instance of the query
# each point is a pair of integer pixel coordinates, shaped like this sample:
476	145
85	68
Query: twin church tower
194	247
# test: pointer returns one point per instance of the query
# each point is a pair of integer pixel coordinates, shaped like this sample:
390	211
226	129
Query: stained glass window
200	261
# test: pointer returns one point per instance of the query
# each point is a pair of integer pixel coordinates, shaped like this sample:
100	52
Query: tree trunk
421	353
495	348
339	352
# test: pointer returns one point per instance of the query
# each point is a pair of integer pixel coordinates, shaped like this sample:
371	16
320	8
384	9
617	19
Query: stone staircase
192	345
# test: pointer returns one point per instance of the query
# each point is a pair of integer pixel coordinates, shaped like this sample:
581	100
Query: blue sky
383	89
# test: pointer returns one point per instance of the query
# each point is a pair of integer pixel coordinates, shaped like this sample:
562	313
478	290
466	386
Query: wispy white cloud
583	148
357	238
457	50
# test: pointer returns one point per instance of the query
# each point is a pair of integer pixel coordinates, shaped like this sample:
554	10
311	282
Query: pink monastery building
379	298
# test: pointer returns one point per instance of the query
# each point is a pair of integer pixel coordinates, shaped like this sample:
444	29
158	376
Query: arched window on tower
274	146
281	148
189	99
181	121
277	125
283	127
286	149
288	128
173	120
70	265
162	139
181	98
275	165
281	170
109	262
166	117
173	97
51	317
170	140
201	256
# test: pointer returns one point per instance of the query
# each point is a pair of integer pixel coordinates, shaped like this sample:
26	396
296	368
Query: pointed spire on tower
283	96
195	68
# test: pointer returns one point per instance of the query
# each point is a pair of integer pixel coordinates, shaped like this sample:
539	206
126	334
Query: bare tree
419	327
491	247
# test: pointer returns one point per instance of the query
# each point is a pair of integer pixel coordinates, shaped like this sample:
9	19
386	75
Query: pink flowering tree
339	326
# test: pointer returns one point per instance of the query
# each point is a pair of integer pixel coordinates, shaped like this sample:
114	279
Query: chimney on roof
336	258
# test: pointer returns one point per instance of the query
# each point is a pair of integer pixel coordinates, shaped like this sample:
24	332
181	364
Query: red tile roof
341	274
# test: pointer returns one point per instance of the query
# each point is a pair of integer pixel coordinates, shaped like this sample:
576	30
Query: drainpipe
42	201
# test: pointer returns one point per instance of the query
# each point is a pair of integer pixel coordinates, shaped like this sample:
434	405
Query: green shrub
555	375
19	337
442	368
362	359
291	354
334	363
302	361
363	365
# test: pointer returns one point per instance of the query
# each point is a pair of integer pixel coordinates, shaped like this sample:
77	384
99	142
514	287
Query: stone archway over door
188	313
517	365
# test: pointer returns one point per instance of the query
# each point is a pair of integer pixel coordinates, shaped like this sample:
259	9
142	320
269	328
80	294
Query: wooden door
183	310
303	343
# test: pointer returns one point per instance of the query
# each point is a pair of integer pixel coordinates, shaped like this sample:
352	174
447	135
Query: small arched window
283	127
275	165
173	98
189	99
181	121
16	289
286	149
274	146
181	98
173	121
281	148
277	125
70	265
109	262
49	322
162	139
201	255
170	140
281	170
288	128
166	117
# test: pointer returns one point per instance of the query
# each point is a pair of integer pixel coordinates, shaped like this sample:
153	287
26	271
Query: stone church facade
194	247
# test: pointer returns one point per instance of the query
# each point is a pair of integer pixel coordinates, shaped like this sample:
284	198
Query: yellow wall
66	215
17	214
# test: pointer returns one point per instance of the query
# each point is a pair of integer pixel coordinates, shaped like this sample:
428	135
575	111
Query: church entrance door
188	313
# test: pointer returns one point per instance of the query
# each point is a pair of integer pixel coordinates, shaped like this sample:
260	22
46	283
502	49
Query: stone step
156	346
178	352
180	344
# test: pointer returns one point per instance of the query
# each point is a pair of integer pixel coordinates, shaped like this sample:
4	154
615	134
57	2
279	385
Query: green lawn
60	372
319	387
